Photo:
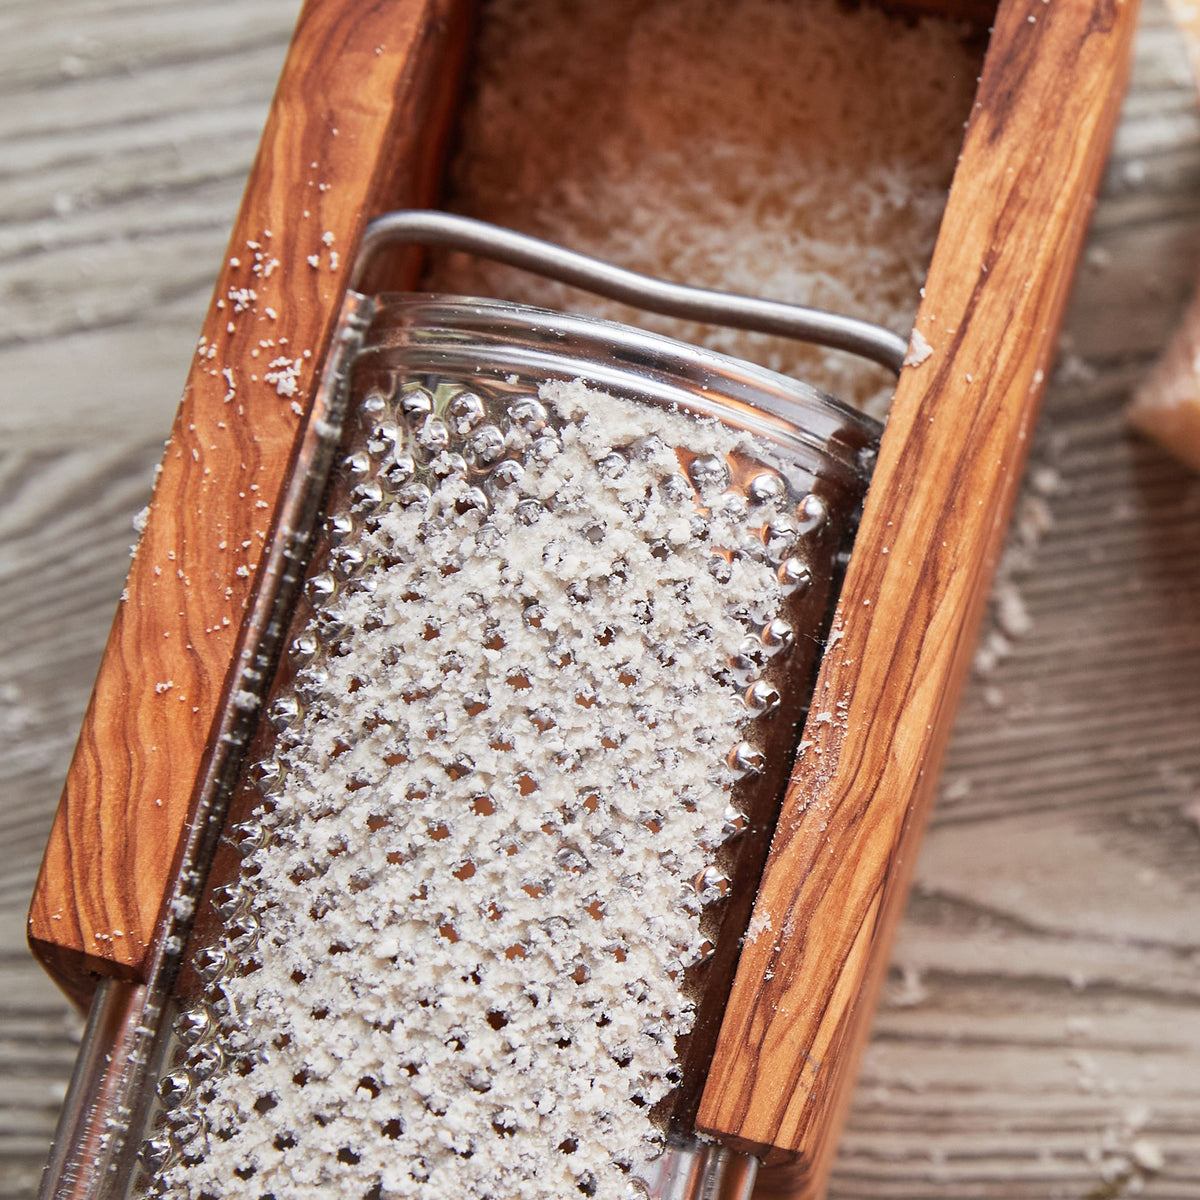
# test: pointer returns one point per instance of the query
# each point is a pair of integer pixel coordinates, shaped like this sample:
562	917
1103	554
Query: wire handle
427	227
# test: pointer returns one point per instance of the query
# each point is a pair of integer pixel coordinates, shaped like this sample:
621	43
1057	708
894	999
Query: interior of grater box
400	140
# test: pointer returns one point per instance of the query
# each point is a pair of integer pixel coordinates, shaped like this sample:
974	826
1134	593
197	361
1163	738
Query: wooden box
367	95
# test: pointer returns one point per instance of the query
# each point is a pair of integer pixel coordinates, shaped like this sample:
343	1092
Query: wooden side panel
951	459
355	127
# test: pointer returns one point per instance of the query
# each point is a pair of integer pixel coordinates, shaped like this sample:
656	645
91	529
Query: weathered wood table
1041	1034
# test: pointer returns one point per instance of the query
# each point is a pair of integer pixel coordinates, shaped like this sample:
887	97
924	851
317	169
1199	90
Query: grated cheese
494	822
737	146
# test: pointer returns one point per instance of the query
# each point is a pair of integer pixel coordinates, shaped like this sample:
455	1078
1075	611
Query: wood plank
931	532
336	144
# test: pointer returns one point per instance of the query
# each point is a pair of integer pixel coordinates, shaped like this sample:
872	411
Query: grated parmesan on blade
456	951
799	151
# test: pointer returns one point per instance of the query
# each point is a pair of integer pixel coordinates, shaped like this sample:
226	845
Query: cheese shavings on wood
798	151
1167	406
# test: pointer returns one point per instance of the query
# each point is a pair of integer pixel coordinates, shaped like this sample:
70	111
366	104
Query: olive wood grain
949	465
356	126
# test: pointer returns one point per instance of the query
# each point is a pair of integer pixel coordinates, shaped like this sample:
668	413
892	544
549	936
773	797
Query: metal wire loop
432	228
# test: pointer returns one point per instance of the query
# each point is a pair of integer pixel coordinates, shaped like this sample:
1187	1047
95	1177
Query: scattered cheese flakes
918	350
1166	407
241	298
284	373
1147	1155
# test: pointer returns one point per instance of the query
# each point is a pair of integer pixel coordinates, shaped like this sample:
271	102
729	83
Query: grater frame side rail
339	146
904	632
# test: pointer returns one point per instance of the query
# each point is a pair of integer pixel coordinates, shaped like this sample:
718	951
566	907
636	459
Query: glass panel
488	872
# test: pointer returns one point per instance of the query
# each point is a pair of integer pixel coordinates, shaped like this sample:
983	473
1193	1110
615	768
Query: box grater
565	585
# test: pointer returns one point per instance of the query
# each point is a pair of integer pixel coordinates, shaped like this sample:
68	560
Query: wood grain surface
904	632
1040	1030
361	105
